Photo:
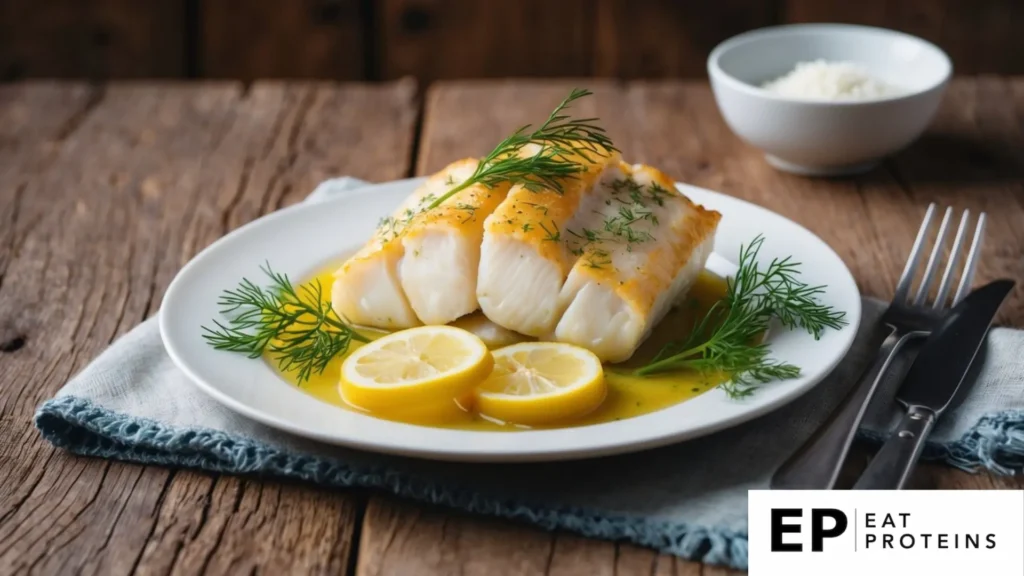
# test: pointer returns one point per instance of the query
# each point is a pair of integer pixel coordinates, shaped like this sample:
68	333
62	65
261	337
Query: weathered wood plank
415	540
33	120
401	538
225	525
469	118
127	188
971	158
76	284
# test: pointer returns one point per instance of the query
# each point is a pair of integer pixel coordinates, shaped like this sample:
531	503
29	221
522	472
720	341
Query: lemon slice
541	383
415	367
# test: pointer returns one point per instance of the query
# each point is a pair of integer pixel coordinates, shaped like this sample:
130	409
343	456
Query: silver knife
932	382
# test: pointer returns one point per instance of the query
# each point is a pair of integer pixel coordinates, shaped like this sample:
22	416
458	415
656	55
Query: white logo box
934	532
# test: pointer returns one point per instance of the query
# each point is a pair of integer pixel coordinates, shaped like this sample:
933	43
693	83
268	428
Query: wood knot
13	345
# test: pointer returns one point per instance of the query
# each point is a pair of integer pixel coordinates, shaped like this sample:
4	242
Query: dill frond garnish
552	235
632	220
539	207
390	227
298	327
621	225
558	139
597	259
469	209
726	339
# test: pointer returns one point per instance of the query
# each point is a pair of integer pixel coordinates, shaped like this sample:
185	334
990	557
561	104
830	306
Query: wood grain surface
107	190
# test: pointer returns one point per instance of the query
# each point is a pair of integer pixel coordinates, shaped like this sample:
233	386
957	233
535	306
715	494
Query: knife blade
940	368
932	382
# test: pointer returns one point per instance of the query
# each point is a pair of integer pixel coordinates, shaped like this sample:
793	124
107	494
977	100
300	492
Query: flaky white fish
640	246
420	267
596	261
525	260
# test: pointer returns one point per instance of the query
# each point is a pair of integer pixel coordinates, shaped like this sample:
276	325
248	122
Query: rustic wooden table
106	191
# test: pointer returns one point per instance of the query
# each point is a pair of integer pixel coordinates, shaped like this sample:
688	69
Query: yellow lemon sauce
628	395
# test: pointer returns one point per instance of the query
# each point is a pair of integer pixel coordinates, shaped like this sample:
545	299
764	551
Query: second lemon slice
536	383
415	367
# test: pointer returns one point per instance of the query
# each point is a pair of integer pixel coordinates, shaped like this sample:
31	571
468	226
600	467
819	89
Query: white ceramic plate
303	238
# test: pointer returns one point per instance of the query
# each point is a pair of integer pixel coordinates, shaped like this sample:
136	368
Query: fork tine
933	260
903	286
954	260
972	261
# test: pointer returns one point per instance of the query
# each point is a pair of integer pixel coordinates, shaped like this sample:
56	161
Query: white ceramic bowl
822	137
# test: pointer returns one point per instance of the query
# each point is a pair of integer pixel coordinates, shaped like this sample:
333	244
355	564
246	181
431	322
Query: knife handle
816	464
891	467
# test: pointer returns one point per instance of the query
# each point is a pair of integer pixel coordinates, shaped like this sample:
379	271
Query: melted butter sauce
628	396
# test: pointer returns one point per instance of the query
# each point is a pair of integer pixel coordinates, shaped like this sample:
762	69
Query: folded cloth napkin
689	499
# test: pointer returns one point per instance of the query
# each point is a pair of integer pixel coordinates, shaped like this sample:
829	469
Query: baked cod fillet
524	259
420	266
442	251
597	264
640	245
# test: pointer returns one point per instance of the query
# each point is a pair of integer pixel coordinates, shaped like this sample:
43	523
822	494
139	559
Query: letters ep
819	533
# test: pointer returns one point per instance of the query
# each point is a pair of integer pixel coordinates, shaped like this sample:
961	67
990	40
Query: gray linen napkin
689	499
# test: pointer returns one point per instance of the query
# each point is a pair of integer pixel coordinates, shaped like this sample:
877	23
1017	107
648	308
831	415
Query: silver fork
817	463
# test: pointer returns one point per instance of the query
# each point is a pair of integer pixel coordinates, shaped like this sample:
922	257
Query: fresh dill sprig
390	227
469	209
558	139
598	259
620	227
638	193
586	234
658	193
726	339
552	235
298	327
539	207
